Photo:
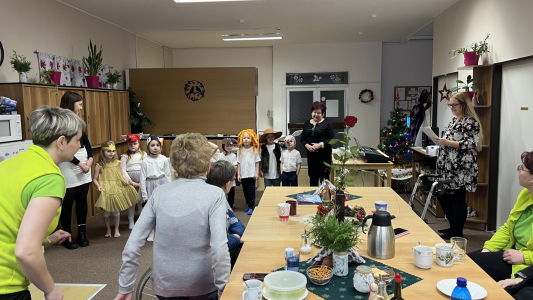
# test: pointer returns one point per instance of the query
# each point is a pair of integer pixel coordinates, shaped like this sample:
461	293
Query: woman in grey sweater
190	252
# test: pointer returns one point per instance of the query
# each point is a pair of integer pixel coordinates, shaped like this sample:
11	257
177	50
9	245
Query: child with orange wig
248	166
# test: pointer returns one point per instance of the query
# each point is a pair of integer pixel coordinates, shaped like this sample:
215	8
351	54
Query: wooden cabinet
97	117
119	117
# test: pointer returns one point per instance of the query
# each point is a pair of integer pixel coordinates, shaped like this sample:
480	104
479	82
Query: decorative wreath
370	96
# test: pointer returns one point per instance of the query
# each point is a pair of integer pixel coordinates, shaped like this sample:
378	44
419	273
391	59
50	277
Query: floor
101	261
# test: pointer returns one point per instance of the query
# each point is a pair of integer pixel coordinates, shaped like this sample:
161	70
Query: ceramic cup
382	206
293	207
423	256
283	211
252	290
446	255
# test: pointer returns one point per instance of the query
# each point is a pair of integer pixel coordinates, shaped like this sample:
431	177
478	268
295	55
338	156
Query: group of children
129	182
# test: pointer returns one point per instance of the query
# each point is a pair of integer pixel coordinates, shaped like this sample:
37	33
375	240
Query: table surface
266	238
71	291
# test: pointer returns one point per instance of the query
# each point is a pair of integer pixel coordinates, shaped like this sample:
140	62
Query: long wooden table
360	164
266	238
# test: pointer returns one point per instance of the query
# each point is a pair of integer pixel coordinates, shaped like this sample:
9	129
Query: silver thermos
381	239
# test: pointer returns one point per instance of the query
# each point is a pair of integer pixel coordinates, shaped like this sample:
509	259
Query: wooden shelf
476	220
485	146
482	184
481	106
472	67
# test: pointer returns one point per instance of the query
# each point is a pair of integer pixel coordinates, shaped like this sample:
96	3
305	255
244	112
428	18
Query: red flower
58	67
323	210
72	69
350	121
359	217
43	64
79	69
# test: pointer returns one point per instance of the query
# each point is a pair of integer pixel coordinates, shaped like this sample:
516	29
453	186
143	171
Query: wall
444	114
361	60
508	22
409	64
67	35
260	58
515	133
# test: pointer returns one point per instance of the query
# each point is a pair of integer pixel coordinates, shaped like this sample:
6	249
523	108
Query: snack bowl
285	285
387	278
320	279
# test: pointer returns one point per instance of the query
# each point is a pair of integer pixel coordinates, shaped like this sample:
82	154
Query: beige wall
508	22
51	27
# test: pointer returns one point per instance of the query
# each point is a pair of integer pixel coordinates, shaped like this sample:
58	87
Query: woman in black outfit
77	174
315	137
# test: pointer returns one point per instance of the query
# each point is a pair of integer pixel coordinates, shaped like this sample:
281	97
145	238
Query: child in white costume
130	164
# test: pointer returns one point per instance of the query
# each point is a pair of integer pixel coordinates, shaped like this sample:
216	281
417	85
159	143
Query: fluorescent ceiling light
252	37
194	1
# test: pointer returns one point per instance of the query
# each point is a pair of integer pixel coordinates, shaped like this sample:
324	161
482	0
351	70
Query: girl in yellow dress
116	194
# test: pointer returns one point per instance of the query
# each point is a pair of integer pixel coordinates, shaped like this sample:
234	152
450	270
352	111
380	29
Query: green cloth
17	173
293	196
504	238
522	229
51	185
342	287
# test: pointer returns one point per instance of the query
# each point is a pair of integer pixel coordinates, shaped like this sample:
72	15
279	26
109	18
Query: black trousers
24	295
248	188
289	179
521	291
78	194
454	206
231	197
493	264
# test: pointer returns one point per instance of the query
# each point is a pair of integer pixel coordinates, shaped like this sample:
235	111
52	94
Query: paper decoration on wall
194	90
445	93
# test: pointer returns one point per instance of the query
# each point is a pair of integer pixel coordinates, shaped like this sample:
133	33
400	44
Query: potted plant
137	118
344	175
468	87
93	63
46	77
472	52
114	79
21	65
335	236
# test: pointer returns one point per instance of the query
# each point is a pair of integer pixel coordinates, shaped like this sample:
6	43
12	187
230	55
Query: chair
429	184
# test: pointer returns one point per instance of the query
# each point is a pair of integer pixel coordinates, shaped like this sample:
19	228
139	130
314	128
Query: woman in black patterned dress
458	161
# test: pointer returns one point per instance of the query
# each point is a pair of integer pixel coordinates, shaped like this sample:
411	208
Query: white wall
260	57
51	27
515	132
361	60
508	22
404	65
444	114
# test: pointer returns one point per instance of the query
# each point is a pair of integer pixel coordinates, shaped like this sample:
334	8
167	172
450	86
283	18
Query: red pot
471	58
470	94
56	78
92	81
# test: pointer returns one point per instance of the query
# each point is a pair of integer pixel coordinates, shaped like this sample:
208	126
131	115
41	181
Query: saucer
446	287
264	295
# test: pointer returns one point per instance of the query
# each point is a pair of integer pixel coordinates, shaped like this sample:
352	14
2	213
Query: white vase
115	86
108	86
23	77
340	263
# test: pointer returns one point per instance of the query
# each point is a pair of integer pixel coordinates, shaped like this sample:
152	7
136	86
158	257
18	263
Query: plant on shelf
20	63
137	118
46	77
467	87
114	77
93	63
479	47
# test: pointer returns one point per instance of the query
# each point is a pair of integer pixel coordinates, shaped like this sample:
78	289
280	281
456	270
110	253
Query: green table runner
342	287
293	196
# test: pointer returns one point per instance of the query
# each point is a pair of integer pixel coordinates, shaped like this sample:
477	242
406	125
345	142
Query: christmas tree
396	139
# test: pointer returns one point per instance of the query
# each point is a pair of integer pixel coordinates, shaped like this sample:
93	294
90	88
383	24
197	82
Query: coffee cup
293	207
446	254
423	256
382	206
252	290
284	210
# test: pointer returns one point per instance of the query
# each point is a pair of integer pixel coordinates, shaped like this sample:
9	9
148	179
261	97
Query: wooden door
34	97
56	95
119	111
97	117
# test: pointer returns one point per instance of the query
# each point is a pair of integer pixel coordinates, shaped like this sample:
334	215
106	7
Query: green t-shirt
50	185
523	228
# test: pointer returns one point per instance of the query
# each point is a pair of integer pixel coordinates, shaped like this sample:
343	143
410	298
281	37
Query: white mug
446	255
382	206
284	210
423	256
252	290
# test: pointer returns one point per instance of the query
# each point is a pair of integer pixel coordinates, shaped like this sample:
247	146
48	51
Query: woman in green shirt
511	248
30	203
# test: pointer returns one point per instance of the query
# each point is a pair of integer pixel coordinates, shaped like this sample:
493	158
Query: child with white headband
291	162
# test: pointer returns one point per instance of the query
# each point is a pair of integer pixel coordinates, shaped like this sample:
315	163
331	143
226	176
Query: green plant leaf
336	156
333	141
459	81
327	165
354	149
350	179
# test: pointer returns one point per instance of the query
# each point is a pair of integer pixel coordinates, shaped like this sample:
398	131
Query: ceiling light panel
252	37
196	1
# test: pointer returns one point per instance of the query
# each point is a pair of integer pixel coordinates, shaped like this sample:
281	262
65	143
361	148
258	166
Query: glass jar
305	247
362	279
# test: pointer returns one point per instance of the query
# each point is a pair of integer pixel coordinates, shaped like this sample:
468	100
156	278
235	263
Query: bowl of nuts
319	275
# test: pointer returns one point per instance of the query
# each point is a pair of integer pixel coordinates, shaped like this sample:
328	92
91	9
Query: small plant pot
23	77
471	96
340	263
92	81
115	86
56	78
471	58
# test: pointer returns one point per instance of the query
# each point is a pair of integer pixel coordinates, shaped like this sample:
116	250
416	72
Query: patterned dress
460	165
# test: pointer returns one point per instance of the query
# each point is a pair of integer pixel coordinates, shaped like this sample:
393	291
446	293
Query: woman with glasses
457	162
315	137
510	250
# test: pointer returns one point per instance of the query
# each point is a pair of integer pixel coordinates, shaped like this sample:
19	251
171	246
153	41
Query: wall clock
1	54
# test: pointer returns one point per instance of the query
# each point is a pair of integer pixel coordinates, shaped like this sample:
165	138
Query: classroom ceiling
191	25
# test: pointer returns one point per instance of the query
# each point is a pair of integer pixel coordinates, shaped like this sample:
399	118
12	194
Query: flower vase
340	203
340	263
23	77
115	86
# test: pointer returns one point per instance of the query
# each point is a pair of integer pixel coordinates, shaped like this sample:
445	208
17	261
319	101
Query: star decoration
445	93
